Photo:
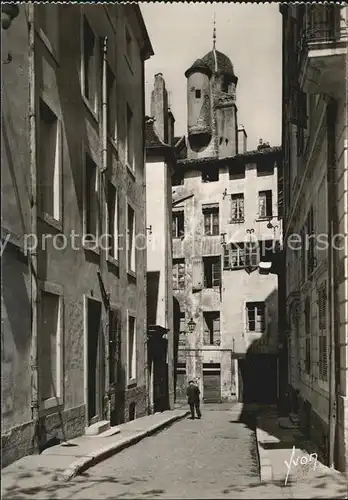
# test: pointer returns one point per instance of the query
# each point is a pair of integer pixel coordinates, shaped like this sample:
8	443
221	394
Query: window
131	348
212	272
211	174
129	46
264	168
178	274
307	313
211	220
178	179
89	65
211	334
265	204
49	162
237	171
111	109
91	199
131	239
50	343
112	221
198	93
129	138
237	207
267	250
115	365
48	20
310	245
323	347
182	330
256	317
241	255
224	85
178	230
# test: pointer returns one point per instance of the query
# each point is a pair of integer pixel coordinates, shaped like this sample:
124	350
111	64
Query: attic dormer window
198	93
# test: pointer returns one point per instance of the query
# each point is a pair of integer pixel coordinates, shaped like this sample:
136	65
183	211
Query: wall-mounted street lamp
223	239
191	325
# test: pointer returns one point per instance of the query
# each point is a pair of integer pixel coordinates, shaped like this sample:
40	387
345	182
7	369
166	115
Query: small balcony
323	50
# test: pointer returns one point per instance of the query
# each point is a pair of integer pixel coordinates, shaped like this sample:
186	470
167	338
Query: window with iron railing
321	22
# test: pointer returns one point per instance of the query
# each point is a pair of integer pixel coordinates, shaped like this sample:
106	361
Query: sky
249	34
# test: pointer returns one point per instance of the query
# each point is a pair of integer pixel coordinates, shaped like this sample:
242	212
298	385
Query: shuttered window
323	347
265	204
212	272
178	274
211	334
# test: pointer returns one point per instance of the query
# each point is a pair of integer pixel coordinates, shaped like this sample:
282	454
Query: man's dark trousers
195	406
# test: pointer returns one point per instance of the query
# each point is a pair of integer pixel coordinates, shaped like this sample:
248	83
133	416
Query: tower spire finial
214	31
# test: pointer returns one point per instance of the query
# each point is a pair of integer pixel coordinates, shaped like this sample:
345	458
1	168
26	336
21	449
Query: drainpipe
33	213
104	207
331	128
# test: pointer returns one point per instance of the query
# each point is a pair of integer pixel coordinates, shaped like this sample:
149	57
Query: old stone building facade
74	352
225	220
315	214
160	162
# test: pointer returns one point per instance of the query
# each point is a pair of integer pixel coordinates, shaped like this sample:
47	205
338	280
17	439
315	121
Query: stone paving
209	458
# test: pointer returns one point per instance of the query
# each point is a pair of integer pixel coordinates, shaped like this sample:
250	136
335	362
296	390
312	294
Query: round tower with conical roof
211	106
199	105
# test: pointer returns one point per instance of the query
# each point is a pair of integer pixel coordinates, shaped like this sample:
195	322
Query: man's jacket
193	394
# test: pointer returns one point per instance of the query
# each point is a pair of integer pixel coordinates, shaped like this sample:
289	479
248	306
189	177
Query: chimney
242	139
263	145
171	121
159	107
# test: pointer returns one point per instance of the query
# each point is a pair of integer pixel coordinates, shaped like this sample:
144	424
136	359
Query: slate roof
151	138
242	157
224	64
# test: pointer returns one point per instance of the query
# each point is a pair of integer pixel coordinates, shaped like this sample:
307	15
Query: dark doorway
132	411
181	383
211	385
258	375
95	361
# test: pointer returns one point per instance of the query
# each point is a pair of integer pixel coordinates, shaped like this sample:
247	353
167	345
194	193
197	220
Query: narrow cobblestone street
209	458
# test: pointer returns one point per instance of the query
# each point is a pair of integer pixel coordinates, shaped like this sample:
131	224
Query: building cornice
247	157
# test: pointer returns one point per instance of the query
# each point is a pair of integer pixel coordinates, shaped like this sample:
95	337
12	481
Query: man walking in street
193	399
